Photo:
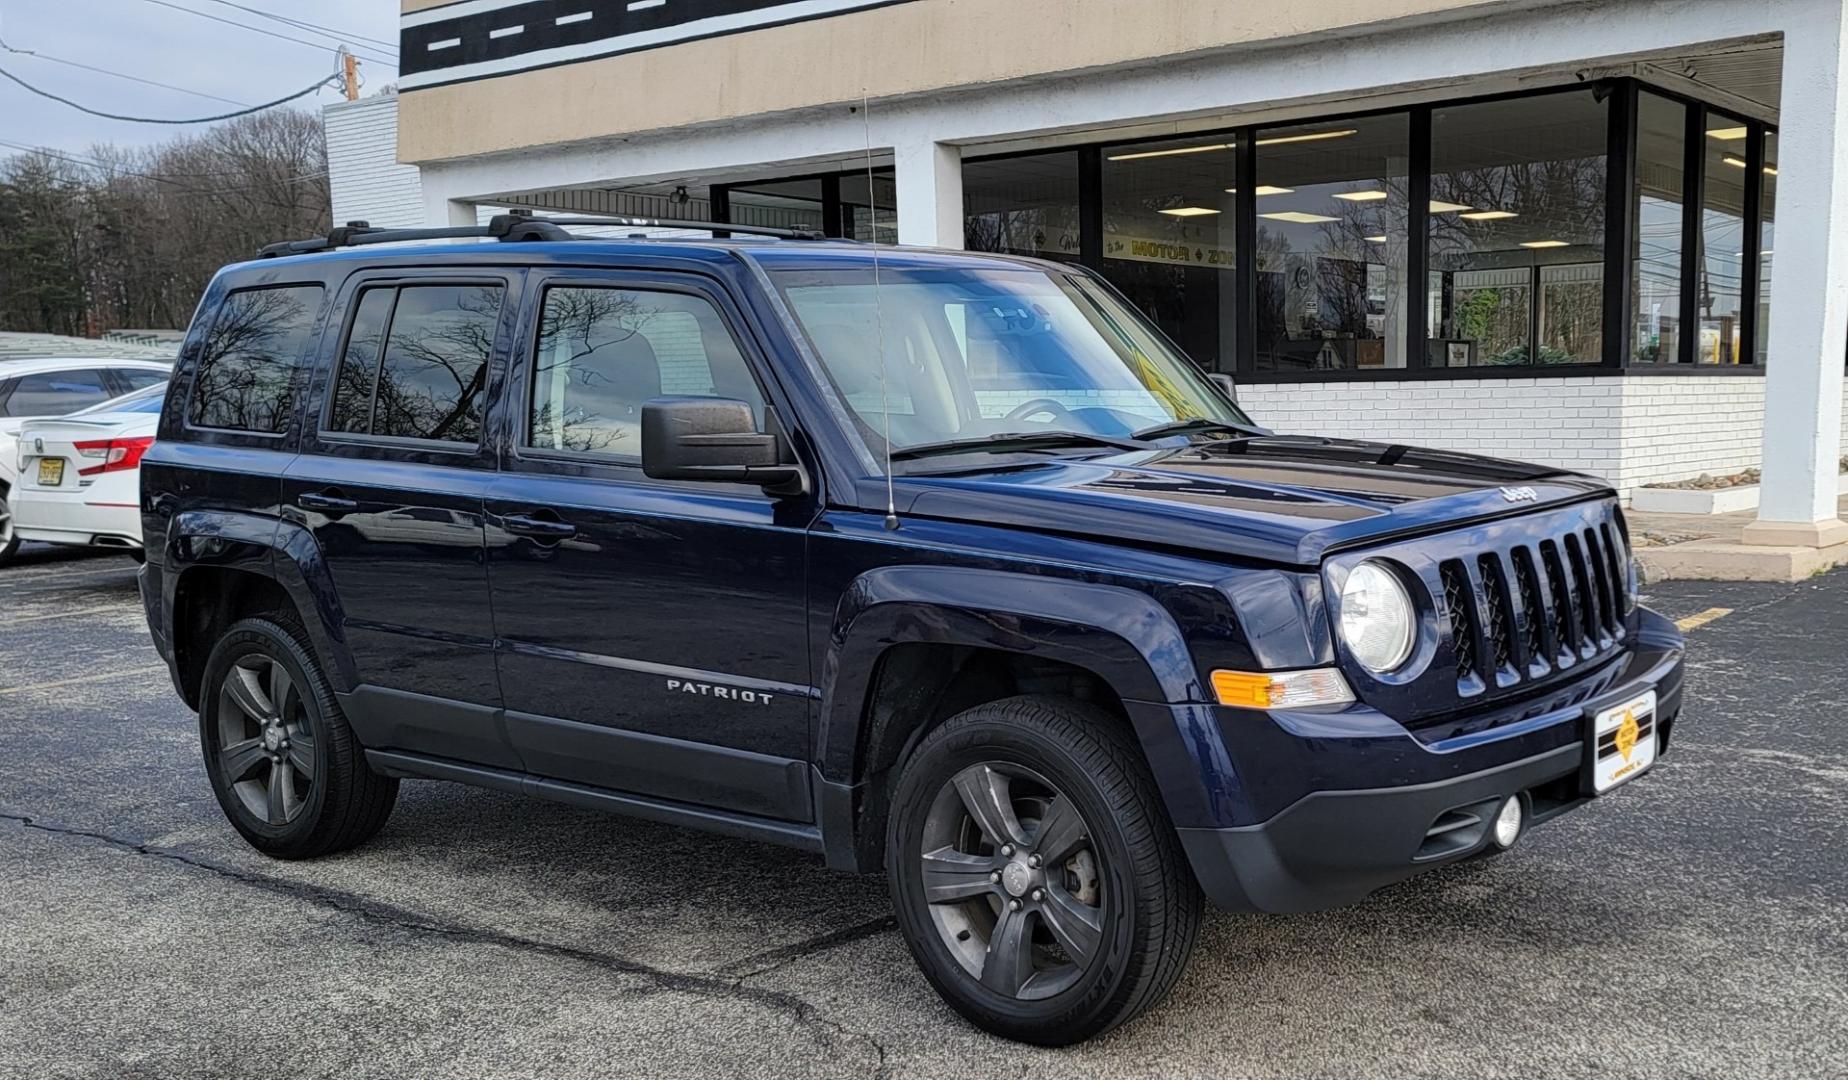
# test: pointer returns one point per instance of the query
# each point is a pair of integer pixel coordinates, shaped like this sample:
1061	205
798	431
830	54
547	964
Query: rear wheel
281	758
9	540
1035	874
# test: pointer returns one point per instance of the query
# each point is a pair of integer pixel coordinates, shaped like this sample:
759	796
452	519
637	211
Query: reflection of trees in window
245	379
359	366
586	338
436	363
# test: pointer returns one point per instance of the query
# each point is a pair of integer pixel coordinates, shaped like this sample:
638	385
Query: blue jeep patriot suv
942	564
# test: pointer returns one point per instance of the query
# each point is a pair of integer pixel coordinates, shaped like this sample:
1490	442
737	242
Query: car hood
1282	500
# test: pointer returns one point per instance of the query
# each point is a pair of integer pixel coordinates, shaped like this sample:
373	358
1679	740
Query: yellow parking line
55	684
60	615
1695	622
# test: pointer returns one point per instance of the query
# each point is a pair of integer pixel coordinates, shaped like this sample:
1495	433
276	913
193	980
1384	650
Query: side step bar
741	826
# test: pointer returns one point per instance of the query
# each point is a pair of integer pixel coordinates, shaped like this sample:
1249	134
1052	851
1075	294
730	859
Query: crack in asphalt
729	984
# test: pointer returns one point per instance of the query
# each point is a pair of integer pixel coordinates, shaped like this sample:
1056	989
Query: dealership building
1598	234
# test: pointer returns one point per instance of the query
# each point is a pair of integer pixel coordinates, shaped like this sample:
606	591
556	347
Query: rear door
390	481
651	632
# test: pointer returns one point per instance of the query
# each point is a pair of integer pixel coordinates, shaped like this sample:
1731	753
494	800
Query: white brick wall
1631	431
362	163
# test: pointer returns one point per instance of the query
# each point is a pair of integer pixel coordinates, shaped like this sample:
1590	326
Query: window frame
515	431
328	381
301	377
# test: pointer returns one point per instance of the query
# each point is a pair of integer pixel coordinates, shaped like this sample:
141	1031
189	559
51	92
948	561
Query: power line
117	74
390	47
318	84
268	33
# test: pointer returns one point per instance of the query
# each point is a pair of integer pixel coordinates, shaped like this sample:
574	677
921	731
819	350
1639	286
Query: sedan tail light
117	455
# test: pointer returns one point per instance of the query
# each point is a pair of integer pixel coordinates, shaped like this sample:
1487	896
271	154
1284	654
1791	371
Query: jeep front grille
1530	609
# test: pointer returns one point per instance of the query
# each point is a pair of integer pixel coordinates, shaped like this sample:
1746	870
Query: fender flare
1125	637
270	547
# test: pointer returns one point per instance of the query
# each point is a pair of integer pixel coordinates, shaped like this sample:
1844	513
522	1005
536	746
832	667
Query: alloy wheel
266	749
1013	880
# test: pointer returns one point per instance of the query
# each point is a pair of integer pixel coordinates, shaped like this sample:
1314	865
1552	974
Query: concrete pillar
1809	293
442	212
930	193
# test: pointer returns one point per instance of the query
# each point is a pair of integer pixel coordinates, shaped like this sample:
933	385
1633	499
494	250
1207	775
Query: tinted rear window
56	393
247	377
427	381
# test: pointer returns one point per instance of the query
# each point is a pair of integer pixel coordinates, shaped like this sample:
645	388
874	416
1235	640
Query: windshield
978	353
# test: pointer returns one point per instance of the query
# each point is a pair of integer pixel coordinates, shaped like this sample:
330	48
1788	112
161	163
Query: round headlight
1377	620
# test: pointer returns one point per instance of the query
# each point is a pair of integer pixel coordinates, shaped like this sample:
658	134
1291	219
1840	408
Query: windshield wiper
1196	425
1013	440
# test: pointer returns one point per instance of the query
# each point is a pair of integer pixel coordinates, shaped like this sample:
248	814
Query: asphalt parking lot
1694	925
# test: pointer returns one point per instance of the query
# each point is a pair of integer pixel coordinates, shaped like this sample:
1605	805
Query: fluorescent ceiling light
1738	162
1439	206
1489	215
1362	196
1544	243
1140	154
1297	217
1727	134
1266	189
1189	211
1374	239
1309	136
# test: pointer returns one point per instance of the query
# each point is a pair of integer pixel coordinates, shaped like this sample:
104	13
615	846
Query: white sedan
80	475
36	388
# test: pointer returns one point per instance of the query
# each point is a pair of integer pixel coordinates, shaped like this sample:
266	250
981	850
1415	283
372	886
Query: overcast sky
150	40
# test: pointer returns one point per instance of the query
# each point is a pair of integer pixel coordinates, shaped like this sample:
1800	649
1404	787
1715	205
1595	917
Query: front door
651	633
391	481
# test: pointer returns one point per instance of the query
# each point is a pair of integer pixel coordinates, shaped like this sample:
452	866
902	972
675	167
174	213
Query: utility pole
350	72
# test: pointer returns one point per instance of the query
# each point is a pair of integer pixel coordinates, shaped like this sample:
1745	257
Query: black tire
345	802
9	542
1142	927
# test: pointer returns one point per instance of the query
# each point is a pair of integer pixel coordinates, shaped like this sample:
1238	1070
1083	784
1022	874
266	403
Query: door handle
330	502
541	525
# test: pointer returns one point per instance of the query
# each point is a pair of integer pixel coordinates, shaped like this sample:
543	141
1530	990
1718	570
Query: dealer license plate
1624	738
51	472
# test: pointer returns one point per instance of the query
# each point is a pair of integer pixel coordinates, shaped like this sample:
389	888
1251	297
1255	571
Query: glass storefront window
782	204
863	203
1661	193
1720	275
1767	215
1516	231
1332	244
1023	206
1169	238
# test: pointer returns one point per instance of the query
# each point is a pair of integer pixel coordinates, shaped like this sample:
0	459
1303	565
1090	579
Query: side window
247	374
416	362
603	352
55	393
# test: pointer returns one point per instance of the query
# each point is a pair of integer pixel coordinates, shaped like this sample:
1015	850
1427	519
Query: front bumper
1335	845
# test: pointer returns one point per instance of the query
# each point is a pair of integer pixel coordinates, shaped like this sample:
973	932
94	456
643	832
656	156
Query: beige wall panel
903	49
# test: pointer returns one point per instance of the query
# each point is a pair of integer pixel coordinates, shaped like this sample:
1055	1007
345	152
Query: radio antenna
885	399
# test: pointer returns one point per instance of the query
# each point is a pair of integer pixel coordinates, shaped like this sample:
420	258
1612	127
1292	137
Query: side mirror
715	439
1225	384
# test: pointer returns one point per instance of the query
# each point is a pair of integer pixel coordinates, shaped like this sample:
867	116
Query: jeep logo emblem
1520	494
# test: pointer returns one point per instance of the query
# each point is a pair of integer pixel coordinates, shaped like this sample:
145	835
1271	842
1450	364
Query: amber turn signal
1281	689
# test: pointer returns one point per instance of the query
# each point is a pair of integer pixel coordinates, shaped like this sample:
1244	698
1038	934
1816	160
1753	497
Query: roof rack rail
512	228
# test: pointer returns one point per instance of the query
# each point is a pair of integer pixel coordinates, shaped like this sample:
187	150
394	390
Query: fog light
1508	822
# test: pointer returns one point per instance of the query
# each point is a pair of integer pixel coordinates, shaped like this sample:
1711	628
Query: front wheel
1035	874
285	766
